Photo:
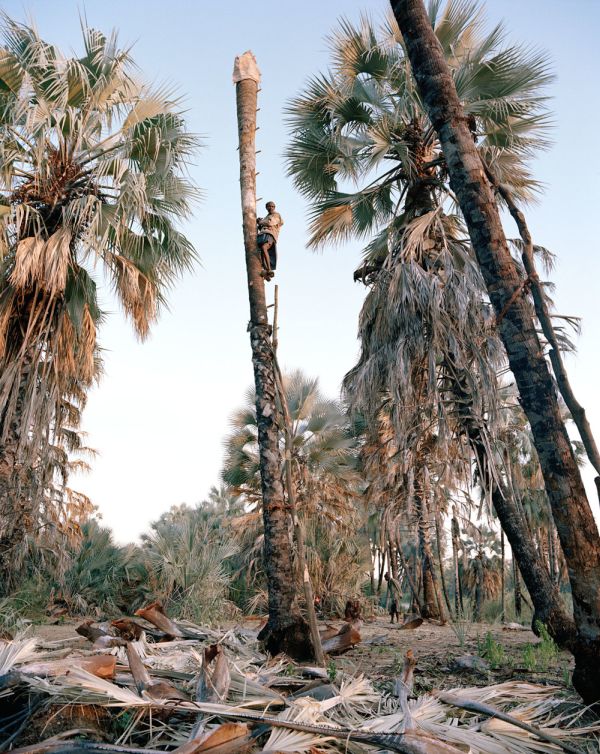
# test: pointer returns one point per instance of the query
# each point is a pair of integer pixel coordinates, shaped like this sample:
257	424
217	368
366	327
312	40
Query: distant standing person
268	233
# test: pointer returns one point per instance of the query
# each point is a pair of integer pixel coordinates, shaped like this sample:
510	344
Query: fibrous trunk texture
16	506
431	607
570	508
285	630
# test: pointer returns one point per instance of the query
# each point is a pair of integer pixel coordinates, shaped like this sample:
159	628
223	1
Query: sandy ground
437	648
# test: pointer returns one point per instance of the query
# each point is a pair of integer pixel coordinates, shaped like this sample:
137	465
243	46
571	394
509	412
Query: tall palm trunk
575	523
438	539
517	586
285	630
431	607
16	504
548	607
458	595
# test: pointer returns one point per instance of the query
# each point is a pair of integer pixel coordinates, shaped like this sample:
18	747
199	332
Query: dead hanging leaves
42	263
162	685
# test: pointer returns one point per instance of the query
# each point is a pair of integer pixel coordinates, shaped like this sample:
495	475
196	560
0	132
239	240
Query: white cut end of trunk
245	68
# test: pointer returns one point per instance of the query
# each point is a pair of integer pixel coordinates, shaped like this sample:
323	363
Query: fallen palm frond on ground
160	691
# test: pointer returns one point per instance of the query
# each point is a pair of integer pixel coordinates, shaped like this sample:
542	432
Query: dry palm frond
15	652
250	693
296	741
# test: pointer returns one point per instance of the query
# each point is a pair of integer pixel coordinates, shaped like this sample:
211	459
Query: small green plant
492	650
546	649
331	671
461	625
540	656
529	658
11	610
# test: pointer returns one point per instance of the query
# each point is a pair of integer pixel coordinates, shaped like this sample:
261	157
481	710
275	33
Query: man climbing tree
268	233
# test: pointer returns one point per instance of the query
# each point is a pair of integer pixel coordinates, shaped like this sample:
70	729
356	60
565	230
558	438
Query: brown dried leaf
226	739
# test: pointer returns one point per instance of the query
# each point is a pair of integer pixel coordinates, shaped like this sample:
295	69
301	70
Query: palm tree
91	177
188	559
286	630
325	477
515	320
427	329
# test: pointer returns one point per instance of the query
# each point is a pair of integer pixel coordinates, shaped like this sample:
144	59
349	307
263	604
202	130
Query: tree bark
503	579
517	587
570	508
458	595
431	607
285	629
441	561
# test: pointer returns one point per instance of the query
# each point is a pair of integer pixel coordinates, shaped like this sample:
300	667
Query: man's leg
264	258
272	260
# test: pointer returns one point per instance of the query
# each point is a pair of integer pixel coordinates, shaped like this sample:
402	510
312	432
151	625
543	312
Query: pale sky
161	411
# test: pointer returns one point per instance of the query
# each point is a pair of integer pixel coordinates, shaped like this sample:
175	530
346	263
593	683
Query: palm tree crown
426	328
91	176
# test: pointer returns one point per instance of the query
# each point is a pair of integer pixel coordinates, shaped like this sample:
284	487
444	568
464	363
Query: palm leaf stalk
291	496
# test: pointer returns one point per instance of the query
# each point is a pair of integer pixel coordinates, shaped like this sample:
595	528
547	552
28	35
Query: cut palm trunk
571	511
285	630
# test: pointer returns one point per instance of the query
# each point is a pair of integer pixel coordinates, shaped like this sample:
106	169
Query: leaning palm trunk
285	629
570	508
576	410
548	607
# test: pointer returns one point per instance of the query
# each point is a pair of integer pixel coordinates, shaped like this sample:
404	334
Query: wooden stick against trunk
485	709
285	630
291	496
